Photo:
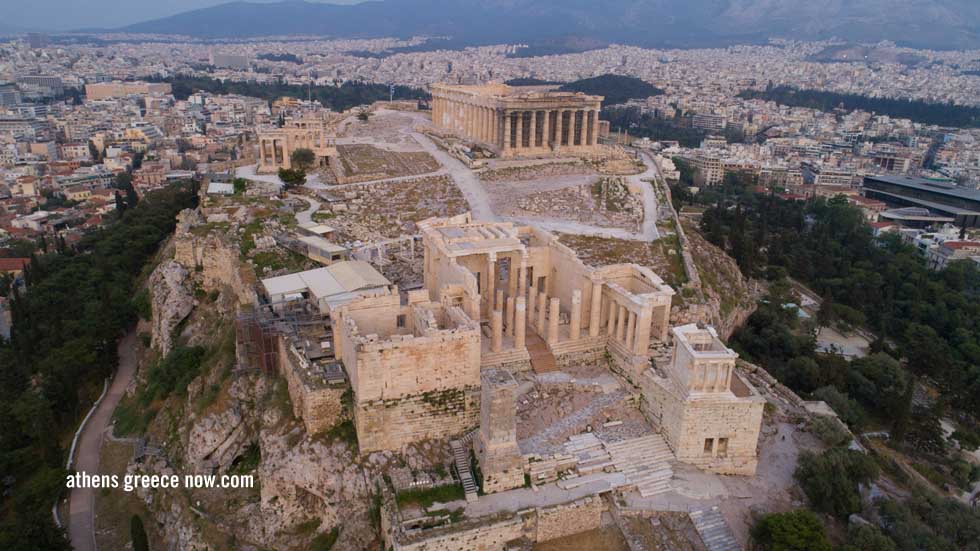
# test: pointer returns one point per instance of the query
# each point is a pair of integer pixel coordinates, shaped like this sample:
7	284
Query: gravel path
81	522
539	443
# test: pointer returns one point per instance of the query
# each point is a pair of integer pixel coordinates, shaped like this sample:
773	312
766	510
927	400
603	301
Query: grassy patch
325	541
425	497
343	431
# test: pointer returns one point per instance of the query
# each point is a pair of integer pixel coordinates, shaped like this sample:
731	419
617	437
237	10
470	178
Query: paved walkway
81	522
467	182
306	217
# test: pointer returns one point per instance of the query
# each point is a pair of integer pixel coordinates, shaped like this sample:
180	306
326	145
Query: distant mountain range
655	23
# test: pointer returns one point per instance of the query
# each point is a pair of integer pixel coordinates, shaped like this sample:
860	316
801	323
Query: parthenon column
533	129
520	329
595	127
596	309
559	127
580	135
507	130
544	129
520	129
575	324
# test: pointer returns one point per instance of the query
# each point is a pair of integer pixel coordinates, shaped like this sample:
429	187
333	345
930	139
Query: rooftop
933	186
335	284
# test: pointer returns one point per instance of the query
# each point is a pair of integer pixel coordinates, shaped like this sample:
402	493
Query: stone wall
214	258
393	424
686	423
569	519
494	533
319	406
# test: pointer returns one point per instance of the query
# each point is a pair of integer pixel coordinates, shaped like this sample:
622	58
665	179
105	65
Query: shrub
847	409
831	480
830	431
793	531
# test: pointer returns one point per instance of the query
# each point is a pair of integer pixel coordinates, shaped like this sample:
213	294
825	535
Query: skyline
68	15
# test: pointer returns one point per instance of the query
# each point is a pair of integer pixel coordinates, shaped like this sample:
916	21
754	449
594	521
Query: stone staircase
645	461
461	457
590	454
542	360
714	531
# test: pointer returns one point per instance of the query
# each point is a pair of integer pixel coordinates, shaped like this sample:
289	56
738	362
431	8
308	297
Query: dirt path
81	522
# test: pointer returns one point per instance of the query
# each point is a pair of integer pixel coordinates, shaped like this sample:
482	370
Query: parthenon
516	121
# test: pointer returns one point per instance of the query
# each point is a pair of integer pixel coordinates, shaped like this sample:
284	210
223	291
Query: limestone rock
172	302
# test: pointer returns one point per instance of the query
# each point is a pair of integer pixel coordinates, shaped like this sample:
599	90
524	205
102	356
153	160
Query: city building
109	90
943	199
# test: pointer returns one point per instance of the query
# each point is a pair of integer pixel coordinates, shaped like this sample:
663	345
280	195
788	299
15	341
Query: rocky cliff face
213	256
722	297
230	422
172	299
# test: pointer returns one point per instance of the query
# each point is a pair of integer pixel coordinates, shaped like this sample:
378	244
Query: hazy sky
76	14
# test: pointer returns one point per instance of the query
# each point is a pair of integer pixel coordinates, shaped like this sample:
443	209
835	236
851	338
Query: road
81	522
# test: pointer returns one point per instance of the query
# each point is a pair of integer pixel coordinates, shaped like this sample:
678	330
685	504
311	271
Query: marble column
510	316
580	135
499	305
533	129
621	323
522	276
611	321
497	331
520	315
595	314
642	340
532	300
545	130
507	130
488	291
520	129
553	316
559	127
630	330
575	324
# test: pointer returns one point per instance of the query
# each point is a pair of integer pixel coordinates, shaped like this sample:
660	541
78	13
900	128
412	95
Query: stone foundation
320	407
494	533
393	424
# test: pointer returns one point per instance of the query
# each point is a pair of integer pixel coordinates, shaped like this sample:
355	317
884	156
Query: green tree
292	178
798	530
831	480
867	538
302	159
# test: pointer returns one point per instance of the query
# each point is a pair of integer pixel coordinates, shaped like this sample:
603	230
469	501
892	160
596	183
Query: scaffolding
258	332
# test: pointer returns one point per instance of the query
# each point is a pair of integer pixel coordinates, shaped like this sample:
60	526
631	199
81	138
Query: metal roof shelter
330	286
